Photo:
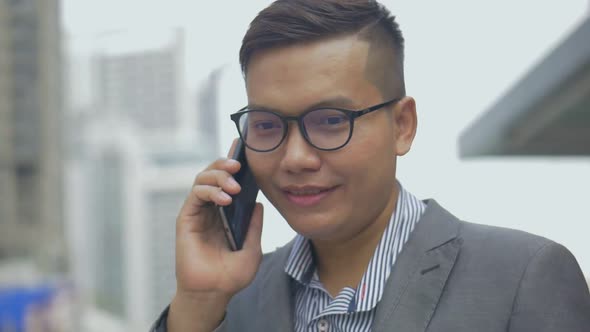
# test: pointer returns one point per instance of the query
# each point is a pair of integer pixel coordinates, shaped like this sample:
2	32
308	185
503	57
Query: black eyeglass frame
352	115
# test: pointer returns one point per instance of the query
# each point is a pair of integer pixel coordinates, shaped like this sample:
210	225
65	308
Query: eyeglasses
325	129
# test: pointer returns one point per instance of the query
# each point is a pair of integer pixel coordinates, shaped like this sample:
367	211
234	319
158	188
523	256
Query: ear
406	122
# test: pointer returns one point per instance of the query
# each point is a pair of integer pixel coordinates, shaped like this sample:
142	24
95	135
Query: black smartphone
236	216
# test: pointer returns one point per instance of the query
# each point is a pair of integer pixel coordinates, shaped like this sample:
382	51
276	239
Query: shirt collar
301	266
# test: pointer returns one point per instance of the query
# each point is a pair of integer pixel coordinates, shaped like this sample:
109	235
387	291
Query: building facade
127	192
31	222
207	112
145	86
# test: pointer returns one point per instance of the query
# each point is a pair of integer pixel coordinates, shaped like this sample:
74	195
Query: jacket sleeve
552	294
161	323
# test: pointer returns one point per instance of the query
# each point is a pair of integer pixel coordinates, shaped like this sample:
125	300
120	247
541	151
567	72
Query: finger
219	178
229	165
203	196
211	194
232	149
254	235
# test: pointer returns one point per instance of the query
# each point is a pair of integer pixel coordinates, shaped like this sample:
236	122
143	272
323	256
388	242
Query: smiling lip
306	195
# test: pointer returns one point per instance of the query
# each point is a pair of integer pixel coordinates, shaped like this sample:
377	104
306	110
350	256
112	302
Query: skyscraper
31	223
128	195
207	114
143	85
121	209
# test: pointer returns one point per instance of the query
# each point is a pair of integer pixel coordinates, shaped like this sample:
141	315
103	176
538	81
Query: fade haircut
289	22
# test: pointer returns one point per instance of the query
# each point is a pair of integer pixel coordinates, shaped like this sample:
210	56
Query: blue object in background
15	303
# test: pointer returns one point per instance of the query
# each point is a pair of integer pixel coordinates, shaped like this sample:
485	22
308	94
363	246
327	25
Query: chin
314	226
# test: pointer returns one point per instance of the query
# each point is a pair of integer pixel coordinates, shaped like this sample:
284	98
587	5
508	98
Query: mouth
308	195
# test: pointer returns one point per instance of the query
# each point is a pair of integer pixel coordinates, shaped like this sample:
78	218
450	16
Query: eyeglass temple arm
374	108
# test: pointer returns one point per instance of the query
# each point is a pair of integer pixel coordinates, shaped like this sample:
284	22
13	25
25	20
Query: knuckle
213	191
223	176
197	187
199	177
220	162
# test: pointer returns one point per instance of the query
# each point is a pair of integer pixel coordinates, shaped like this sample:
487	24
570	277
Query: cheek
366	170
262	166
371	162
370	181
372	150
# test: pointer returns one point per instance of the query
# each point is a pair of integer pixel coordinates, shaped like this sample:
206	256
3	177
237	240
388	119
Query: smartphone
236	216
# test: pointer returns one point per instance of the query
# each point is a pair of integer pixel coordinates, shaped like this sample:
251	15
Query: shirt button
323	325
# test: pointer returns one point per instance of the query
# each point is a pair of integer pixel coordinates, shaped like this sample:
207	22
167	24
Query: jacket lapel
420	273
275	301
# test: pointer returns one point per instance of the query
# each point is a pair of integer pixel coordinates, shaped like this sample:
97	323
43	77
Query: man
327	117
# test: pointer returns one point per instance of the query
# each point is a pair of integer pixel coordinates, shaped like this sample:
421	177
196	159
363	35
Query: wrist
196	311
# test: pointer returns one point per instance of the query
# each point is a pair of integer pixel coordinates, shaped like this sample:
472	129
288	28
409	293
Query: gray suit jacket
450	276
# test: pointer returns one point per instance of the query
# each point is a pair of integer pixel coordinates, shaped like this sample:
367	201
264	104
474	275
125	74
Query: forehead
291	78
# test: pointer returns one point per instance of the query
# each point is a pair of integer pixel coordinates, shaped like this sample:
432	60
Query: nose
298	155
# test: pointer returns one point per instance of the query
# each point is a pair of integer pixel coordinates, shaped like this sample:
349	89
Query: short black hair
288	22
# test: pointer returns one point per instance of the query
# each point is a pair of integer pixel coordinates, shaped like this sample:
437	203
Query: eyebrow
337	101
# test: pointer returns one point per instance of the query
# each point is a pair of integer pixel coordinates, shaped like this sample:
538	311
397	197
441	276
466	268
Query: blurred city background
108	110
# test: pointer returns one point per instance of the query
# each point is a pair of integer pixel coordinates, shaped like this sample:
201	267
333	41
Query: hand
208	273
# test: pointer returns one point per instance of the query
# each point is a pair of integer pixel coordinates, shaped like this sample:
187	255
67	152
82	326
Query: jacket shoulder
501	240
544	286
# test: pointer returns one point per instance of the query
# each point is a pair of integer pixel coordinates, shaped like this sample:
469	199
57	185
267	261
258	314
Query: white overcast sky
461	56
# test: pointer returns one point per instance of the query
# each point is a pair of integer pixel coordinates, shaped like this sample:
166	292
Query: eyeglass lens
325	129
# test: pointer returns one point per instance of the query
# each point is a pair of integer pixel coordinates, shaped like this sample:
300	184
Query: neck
342	263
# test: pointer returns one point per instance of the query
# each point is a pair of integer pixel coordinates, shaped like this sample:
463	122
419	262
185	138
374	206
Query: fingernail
232	182
224	196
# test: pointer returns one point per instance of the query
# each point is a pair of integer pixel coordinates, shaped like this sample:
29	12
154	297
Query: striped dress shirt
352	309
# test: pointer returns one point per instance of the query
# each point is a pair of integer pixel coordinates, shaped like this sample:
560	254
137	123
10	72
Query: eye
333	120
329	119
264	121
266	125
326	119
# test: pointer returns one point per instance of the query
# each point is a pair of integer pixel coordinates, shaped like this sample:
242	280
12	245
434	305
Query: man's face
326	195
